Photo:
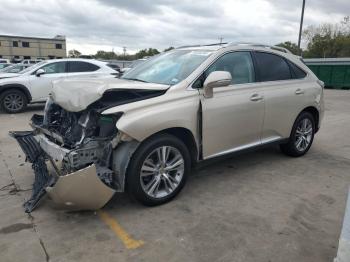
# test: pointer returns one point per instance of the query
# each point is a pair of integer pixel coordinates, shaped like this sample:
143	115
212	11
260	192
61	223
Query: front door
40	86
233	117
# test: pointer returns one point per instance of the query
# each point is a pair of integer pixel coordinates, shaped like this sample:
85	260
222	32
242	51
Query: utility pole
124	51
301	25
220	38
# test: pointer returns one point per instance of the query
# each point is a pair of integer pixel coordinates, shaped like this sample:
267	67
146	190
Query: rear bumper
82	189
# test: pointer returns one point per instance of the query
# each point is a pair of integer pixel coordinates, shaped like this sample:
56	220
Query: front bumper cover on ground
80	190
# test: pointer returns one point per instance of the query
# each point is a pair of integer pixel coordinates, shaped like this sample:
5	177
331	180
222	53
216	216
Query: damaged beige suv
142	133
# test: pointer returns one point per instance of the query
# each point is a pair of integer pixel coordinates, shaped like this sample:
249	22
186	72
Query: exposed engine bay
78	146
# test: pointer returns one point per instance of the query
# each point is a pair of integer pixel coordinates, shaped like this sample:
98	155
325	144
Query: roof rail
214	44
278	48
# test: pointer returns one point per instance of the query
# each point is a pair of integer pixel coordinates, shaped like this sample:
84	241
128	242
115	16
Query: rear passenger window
272	67
79	66
297	72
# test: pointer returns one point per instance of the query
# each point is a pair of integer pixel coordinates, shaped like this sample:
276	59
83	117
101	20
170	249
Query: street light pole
301	25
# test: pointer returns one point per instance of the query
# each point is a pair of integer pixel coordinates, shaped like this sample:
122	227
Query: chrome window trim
217	58
189	87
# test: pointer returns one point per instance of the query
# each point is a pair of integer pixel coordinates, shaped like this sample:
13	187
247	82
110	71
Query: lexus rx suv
34	83
142	133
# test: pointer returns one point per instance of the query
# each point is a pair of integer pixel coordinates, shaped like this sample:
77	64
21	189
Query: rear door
233	117
285	92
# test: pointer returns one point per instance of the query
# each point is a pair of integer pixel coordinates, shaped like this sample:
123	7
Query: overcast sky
91	25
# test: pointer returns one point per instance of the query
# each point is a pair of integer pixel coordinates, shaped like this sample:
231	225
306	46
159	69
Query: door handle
299	91
256	97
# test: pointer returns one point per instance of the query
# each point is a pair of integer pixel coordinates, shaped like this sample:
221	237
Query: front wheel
158	170
13	101
301	137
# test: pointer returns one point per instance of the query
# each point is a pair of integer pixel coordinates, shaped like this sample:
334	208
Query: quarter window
239	64
272	67
54	68
78	66
297	72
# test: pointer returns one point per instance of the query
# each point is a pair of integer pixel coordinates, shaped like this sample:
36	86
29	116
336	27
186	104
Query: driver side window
55	68
239	64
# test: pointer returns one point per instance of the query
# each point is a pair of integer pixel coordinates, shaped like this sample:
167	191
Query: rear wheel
13	101
301	137
158	170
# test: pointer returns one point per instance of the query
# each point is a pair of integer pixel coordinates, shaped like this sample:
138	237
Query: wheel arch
186	136
315	113
19	87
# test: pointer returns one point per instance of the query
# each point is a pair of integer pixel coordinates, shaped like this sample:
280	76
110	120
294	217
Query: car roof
75	59
235	45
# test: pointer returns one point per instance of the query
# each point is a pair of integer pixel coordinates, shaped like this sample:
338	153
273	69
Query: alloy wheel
13	102
303	134
162	171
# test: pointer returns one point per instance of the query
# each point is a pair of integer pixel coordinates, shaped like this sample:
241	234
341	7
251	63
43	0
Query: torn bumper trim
80	190
54	151
34	155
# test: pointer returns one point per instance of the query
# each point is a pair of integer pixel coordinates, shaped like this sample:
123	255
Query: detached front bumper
82	189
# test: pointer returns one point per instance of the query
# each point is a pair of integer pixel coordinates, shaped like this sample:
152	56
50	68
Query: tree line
325	40
111	55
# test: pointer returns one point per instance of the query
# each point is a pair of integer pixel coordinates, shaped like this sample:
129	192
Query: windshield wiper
136	79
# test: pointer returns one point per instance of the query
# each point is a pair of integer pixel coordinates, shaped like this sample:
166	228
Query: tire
13	101
167	183
301	137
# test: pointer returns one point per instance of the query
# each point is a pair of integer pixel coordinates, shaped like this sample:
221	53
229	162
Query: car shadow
35	107
29	108
202	175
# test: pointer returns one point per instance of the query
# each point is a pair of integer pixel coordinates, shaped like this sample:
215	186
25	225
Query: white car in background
15	68
34	83
4	61
133	65
31	62
4	65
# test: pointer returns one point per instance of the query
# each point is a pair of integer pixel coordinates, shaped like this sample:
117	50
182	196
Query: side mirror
216	79
40	72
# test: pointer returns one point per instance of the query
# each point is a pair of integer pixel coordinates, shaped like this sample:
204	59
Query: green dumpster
334	72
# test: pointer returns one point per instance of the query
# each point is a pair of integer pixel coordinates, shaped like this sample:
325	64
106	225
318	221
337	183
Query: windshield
3	66
13	69
168	68
137	62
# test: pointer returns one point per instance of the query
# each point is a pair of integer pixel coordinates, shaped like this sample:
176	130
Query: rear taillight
321	83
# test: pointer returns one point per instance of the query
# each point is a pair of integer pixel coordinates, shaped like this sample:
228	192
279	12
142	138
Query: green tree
291	47
105	55
328	40
140	54
146	53
73	53
168	49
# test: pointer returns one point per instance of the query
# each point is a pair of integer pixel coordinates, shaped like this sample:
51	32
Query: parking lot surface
260	206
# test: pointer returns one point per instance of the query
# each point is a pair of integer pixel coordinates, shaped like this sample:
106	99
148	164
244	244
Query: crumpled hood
76	94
